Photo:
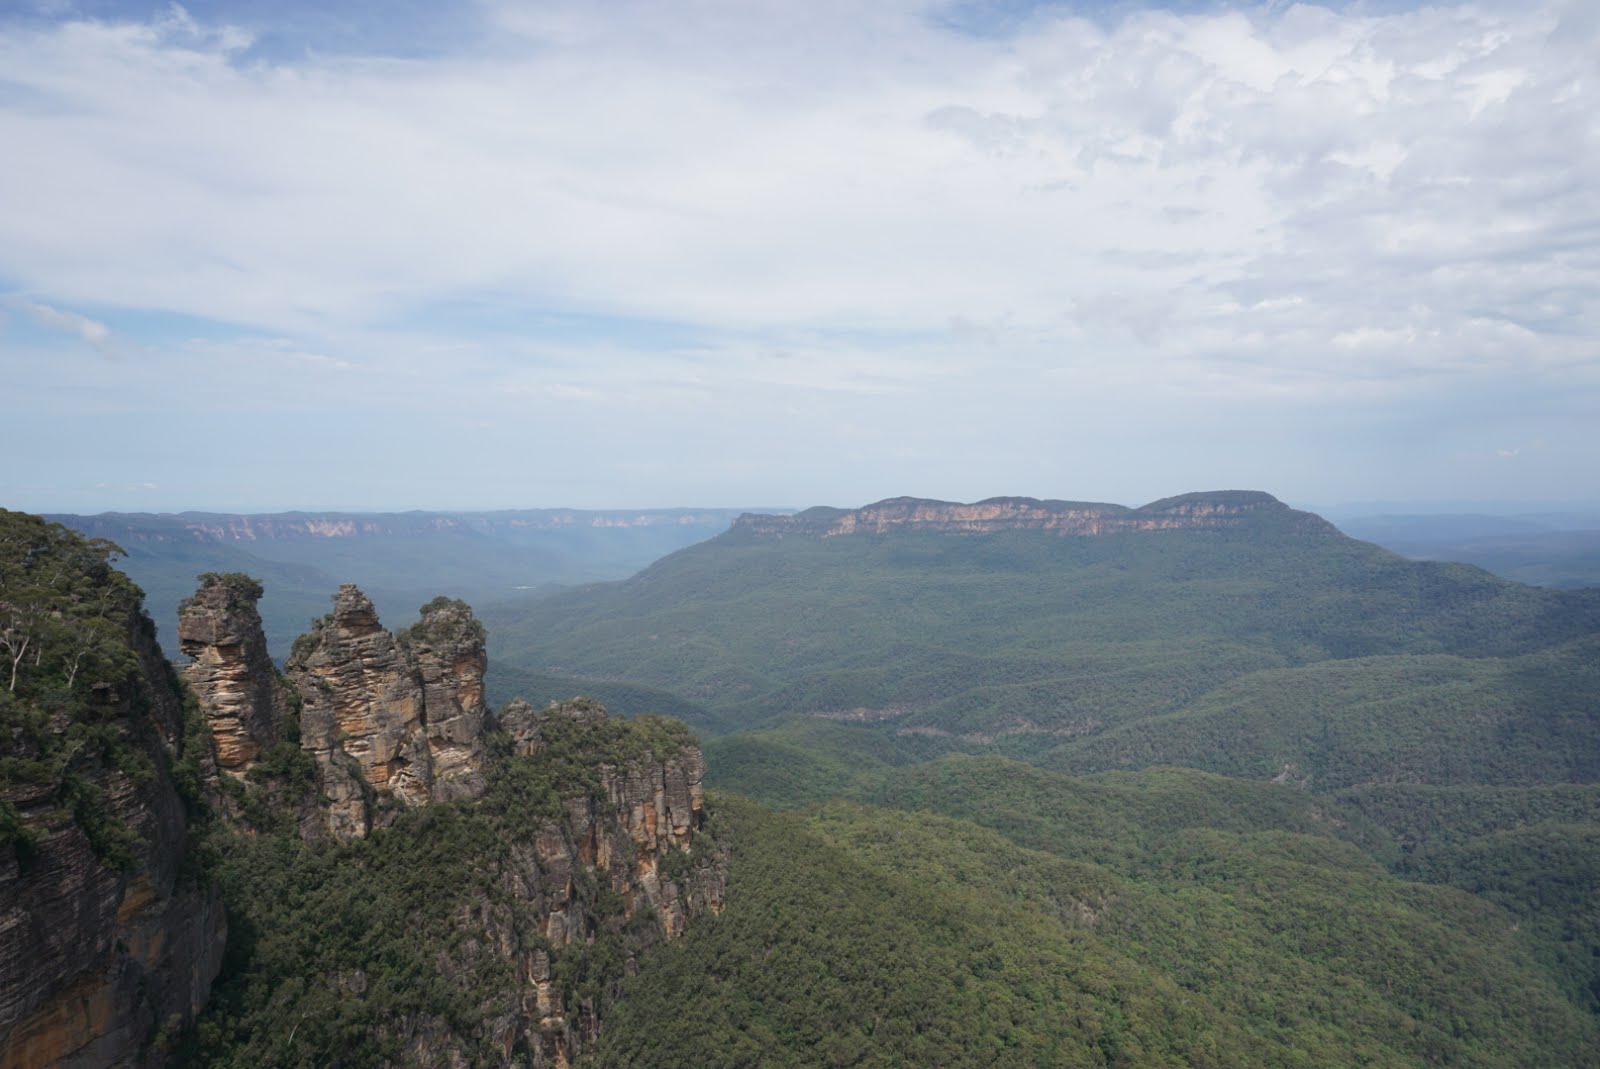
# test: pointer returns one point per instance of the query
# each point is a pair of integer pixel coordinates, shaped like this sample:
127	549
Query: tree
63	608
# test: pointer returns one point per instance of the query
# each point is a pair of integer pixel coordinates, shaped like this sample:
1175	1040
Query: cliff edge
109	941
1200	511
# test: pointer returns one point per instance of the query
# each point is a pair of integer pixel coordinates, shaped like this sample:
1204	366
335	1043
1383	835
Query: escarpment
447	649
1216	510
108	940
522	869
607	865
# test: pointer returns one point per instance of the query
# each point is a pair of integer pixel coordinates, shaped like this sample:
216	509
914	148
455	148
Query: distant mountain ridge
1209	509
254	527
399	558
1030	625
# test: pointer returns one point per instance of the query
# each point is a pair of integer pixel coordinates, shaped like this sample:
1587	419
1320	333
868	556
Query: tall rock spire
231	673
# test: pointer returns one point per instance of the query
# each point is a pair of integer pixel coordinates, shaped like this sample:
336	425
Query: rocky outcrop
589	853
231	672
643	811
111	932
387	719
625	855
447	649
1224	509
108	945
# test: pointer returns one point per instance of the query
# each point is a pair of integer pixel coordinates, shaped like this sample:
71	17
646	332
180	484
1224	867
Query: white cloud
91	332
1272	204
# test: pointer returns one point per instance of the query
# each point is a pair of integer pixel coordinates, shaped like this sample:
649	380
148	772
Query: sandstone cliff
641	810
108	942
492	932
1218	510
618	865
387	719
231	673
576	842
585	853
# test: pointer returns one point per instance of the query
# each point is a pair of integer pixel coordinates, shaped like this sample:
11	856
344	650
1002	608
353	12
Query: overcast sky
496	254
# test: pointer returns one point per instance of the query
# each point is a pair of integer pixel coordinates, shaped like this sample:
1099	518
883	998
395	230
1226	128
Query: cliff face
231	673
446	648
108	946
521	913
386	718
529	907
1224	509
642	811
616	859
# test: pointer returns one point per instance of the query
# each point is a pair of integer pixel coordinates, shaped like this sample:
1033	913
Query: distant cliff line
1207	510
210	527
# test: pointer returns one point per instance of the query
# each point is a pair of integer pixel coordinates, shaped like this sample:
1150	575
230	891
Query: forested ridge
1249	833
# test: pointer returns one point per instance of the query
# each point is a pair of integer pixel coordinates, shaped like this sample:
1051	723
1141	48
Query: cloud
91	332
1277	204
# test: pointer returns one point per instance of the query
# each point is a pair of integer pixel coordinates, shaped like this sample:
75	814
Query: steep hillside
108	940
493	933
1223	633
412	879
869	937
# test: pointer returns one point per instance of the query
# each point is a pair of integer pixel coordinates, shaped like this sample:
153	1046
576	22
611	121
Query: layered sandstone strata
231	672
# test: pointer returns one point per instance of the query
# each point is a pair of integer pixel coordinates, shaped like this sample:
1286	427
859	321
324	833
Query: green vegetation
68	679
1533	851
1432	719
1022	639
243	590
869	937
1455	713
504	683
337	954
443	621
1038	827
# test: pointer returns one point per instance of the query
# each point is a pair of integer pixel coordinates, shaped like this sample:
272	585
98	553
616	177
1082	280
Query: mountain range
1204	782
400	558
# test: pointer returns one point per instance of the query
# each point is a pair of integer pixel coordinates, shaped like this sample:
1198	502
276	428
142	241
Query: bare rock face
447	648
387	719
1205	511
232	675
645	810
620	853
103	961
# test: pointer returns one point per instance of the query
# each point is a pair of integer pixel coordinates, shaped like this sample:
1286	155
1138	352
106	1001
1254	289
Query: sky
393	255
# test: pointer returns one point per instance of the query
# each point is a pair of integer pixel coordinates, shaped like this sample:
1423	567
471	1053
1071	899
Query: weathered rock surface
1222	509
231	672
390	719
618	859
110	938
447	648
643	811
101	964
